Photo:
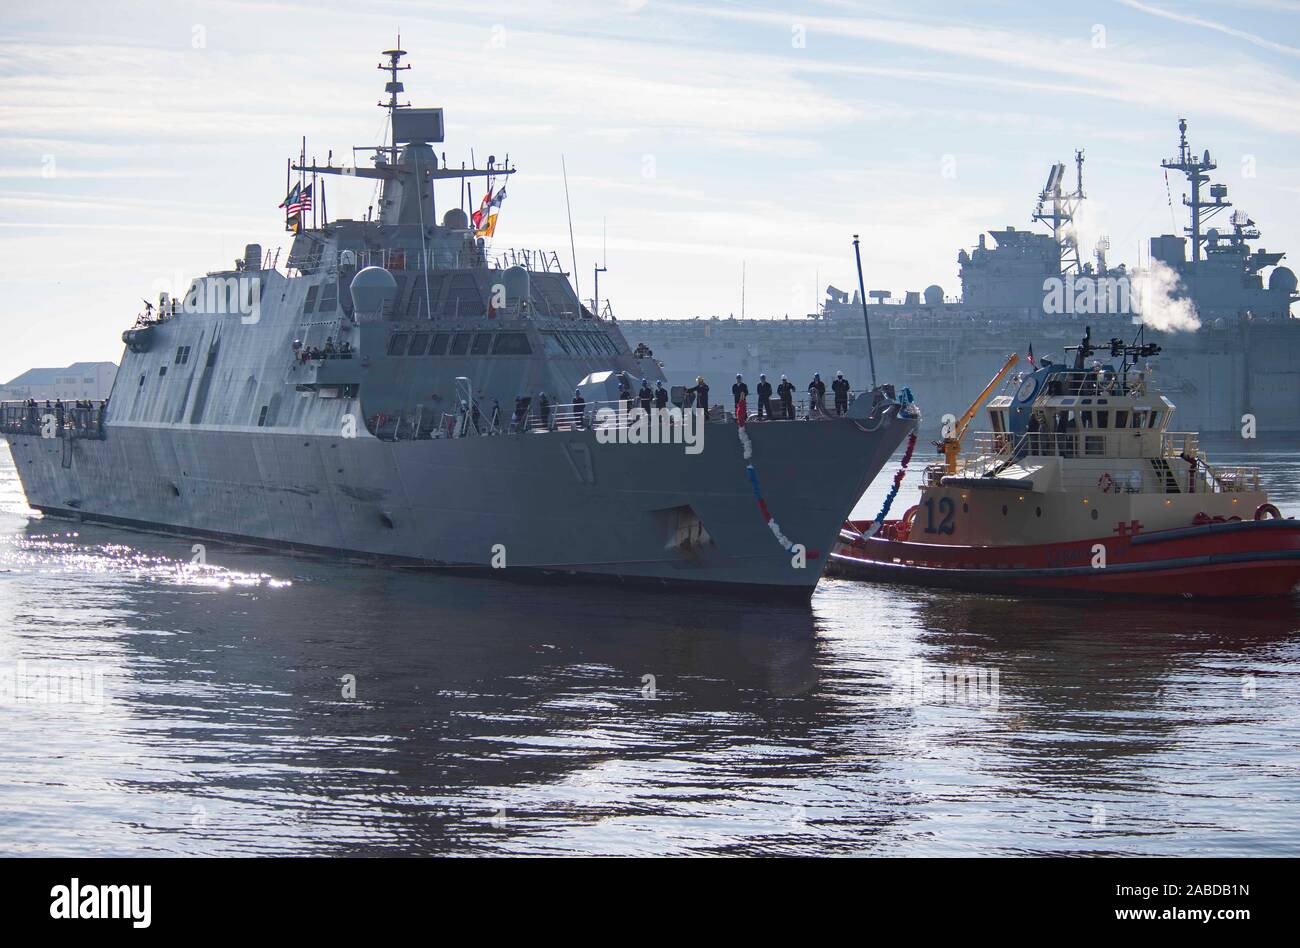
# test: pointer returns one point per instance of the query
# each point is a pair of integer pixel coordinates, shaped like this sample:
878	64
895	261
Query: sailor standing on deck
764	398
661	395
841	389
701	392
579	407
646	395
785	392
739	391
816	395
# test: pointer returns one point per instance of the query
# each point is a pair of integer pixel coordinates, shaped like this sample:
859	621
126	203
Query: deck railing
56	420
421	424
1180	461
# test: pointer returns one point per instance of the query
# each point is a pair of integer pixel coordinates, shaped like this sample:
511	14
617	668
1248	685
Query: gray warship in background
1243	359
381	399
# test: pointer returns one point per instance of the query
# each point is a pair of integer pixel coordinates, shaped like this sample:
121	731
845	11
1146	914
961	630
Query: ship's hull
1229	560
557	505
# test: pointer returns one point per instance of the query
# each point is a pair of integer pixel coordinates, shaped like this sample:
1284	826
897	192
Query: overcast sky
145	143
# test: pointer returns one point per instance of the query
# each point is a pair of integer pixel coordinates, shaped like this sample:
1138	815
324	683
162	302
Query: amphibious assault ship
1033	287
400	392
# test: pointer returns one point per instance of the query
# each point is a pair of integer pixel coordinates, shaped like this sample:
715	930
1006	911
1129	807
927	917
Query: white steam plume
1158	303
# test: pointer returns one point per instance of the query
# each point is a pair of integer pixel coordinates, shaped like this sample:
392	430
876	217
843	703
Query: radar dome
516	283
934	295
1282	280
372	289
456	219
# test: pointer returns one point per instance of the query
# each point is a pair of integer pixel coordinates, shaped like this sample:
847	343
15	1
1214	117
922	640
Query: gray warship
400	392
1244	359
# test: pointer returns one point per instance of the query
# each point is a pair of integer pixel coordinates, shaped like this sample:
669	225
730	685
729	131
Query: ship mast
1197	173
1064	204
393	87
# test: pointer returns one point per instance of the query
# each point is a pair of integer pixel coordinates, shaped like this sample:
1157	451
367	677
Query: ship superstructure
404	392
1037	286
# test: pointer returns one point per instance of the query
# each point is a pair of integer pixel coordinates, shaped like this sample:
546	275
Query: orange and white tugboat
1080	487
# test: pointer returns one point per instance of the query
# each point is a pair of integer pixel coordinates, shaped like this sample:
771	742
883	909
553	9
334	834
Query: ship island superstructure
403	392
1241	360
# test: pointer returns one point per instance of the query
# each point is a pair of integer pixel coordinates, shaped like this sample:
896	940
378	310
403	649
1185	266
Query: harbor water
248	703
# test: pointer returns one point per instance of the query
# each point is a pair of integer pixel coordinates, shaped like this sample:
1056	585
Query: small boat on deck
1080	486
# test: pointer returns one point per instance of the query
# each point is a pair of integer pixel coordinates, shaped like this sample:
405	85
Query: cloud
1192	20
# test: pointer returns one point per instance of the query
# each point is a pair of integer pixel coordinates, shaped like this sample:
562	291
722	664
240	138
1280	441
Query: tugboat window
1103	419
397	344
1121	418
460	344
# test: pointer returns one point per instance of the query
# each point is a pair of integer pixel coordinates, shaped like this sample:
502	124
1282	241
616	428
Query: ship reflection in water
494	718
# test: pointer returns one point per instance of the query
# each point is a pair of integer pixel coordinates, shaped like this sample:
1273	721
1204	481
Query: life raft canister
1268	510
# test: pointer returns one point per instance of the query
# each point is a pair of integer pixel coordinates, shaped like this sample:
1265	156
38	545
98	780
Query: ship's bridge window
553	343
398	343
439	344
482	343
512	343
419	342
1155	419
1103	419
460	343
1121	418
1139	418
329	297
464	298
1085	419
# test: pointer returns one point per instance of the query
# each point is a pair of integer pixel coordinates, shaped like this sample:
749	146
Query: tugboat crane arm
951	447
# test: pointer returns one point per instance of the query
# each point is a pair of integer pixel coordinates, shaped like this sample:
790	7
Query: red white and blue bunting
748	448
893	490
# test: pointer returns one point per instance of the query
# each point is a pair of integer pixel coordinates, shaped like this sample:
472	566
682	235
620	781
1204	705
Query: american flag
301	203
